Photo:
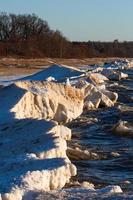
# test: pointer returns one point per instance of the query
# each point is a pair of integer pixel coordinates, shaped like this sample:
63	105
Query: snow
40	100
8	80
9	96
33	157
119	64
57	72
110	192
33	151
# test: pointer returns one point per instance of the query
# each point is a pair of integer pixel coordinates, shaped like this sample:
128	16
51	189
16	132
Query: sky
80	20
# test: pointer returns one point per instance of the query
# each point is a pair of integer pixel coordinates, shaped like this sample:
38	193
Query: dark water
99	138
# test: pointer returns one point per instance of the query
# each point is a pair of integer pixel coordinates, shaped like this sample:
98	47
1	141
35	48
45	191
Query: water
99	137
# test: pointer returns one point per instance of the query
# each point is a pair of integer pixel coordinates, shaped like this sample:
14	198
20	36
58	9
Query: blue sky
82	20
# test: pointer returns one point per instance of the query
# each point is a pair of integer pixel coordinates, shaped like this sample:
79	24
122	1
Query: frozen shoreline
71	116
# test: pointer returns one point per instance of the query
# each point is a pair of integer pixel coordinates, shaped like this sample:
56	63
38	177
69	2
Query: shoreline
97	97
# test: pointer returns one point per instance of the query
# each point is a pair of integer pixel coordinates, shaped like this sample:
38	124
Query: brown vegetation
29	36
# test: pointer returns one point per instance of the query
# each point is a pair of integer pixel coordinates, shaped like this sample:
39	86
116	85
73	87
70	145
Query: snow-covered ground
8	80
33	157
32	148
57	72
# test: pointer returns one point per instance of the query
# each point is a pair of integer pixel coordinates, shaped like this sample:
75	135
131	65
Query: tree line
28	35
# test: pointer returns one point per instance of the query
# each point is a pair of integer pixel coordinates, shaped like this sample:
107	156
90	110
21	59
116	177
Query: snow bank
8	80
47	100
113	74
119	64
33	151
94	96
57	72
33	158
40	100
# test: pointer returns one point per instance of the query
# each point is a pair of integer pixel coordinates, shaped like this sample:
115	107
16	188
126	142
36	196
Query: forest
28	36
